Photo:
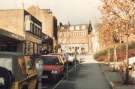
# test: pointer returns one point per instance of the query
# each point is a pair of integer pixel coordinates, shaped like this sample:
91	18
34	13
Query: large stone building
49	23
20	32
75	37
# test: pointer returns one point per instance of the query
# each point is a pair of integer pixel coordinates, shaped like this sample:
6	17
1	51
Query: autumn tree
118	17
119	20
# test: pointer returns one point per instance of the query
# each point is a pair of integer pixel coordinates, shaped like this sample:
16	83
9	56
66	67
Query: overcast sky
74	11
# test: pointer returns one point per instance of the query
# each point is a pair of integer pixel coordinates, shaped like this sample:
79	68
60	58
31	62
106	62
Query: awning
11	35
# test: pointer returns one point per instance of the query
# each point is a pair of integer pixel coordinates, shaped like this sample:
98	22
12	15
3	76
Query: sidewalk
114	78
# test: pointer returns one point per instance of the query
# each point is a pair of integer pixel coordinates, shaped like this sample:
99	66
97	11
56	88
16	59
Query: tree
117	15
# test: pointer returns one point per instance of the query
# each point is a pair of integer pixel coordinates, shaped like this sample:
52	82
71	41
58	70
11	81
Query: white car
132	62
70	58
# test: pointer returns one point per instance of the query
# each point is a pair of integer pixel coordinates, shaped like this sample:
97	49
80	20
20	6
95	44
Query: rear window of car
50	60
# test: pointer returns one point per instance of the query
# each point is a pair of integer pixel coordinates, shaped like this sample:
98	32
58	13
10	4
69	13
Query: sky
73	11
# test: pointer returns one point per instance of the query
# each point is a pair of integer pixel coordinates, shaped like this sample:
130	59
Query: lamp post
115	41
115	56
127	61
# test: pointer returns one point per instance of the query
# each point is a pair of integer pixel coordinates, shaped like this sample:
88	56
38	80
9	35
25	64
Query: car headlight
54	72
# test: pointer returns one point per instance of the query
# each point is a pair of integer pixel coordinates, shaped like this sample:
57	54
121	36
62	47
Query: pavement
114	78
89	76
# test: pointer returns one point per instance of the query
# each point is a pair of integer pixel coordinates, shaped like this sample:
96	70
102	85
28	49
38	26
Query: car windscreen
50	60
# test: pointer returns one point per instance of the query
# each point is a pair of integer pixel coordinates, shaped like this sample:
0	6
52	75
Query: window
40	33
31	30
83	27
32	27
50	60
77	27
71	27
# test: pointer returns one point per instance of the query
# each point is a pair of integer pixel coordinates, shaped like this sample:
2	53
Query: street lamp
115	41
127	61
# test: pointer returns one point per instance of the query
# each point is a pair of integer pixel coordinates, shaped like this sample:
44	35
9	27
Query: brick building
72	37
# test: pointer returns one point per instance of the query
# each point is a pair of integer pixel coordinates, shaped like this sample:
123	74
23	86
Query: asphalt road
89	76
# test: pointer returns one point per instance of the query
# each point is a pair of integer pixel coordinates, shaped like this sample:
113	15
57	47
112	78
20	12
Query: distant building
20	32
49	23
75	37
94	37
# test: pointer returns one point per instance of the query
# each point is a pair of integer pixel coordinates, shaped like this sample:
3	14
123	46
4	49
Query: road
88	77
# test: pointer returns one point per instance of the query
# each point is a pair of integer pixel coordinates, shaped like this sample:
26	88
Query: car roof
49	55
54	56
56	53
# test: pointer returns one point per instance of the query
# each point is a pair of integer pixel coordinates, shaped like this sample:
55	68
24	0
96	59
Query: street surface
89	76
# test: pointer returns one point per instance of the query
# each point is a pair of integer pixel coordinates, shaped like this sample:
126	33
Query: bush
121	49
103	53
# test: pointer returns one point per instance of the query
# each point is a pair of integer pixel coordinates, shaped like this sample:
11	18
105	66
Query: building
49	23
20	32
94	41
75	37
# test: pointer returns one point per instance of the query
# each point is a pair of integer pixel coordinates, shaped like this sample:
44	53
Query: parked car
132	63
72	58
17	71
53	67
63	56
68	58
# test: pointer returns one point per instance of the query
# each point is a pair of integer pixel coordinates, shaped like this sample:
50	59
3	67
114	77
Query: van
17	71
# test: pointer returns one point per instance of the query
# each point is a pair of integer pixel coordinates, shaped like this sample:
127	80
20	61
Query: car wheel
7	78
25	86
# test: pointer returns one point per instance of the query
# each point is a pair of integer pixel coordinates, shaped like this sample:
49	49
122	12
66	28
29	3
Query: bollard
67	71
75	65
39	83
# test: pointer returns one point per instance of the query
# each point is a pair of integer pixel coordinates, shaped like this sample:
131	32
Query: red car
62	55
53	67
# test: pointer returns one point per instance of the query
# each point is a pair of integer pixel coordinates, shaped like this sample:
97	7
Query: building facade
49	24
20	32
74	37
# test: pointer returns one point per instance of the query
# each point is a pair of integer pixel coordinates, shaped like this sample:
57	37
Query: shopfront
10	42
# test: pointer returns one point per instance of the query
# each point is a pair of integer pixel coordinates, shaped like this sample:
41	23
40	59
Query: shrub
103	54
